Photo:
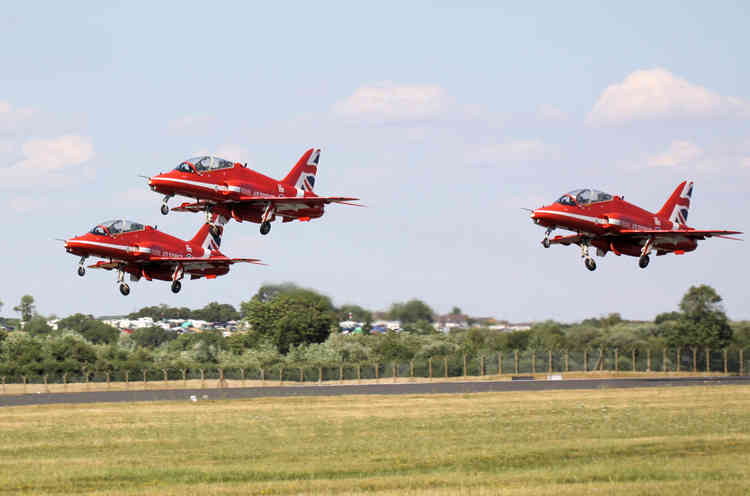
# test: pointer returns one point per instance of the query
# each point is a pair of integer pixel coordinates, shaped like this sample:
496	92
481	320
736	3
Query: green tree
161	312
358	314
26	308
291	317
456	311
702	323
93	330
37	326
412	311
216	312
152	337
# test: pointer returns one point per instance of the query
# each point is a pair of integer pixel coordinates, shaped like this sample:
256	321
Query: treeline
296	327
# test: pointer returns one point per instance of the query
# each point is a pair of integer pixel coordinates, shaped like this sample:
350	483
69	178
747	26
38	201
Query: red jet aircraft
234	191
611	224
142	251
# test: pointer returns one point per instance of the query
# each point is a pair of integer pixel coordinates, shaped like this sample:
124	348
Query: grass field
687	440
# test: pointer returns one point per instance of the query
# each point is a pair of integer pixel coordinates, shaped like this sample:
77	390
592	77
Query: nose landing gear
124	288
164	206
588	261
545	241
81	268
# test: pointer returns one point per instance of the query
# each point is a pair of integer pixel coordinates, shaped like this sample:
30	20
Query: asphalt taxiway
372	389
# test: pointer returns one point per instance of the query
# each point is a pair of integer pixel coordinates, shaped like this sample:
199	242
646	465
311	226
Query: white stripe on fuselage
128	249
211	186
595	220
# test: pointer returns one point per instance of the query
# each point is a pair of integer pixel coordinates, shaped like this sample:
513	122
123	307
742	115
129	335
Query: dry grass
635	441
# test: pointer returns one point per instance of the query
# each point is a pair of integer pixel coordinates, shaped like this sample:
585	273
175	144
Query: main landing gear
164	206
265	227
268	216
179	272
124	288
643	260
176	286
588	261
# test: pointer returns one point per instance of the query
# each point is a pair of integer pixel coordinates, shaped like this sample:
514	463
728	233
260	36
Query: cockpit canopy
583	197
204	163
119	226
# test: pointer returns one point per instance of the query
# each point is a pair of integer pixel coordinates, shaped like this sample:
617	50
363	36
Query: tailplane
677	207
209	235
302	175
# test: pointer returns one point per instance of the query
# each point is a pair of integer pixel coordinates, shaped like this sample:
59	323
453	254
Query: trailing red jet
142	251
609	223
234	191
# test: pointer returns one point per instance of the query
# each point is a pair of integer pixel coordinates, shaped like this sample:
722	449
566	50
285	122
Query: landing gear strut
643	260
179	271
81	268
587	260
164	206
265	221
545	241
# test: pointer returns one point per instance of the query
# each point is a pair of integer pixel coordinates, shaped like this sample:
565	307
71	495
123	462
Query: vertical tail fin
677	207
302	175
209	235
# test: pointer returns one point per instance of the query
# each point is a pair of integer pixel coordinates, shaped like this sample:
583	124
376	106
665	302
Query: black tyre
81	271
124	289
176	286
164	209
590	263
643	261
545	243
265	228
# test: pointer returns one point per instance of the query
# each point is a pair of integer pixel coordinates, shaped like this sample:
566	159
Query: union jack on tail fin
676	209
302	175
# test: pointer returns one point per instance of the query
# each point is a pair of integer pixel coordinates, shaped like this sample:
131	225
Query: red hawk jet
142	251
234	191
609	223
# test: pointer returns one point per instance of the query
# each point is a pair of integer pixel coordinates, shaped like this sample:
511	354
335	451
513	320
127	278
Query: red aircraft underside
144	252
609	223
234	191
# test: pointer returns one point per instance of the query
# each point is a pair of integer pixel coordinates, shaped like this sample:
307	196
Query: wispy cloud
659	94
514	151
48	161
678	153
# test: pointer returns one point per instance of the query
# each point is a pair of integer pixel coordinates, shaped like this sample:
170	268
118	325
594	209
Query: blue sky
444	119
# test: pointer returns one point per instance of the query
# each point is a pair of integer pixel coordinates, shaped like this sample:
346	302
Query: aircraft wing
201	206
189	261
698	234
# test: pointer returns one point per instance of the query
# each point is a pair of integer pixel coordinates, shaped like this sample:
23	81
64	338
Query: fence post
678	359
617	364
341	373
242	374
664	359
184	377
695	359
281	376
533	361
499	363
429	365
445	368
515	361
3	384
145	371
566	360
222	382
585	360
46	386
648	360
481	365
320	374
127	383
632	358
359	373
377	372
165	376
24	383
393	371
549	361
108	374
464	364
726	359
411	368
601	358
262	376
203	378
301	375
708	360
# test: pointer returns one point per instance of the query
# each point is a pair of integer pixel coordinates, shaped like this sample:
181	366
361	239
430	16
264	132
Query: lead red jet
142	251
609	223
234	191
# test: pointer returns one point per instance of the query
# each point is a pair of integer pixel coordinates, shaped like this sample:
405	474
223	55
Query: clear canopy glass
204	163
117	226
584	197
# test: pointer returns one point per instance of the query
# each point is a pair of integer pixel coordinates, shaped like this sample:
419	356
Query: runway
372	389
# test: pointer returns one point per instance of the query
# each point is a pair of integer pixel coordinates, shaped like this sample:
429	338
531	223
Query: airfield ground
686	440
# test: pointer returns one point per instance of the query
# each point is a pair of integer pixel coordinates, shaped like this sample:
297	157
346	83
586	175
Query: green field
686	440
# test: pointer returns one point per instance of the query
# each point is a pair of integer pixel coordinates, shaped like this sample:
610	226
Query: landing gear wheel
265	228
176	286
124	289
81	271
164	209
643	261
589	263
545	242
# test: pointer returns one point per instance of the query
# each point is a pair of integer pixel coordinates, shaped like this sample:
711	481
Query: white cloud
659	94
389	102
514	151
678	153
189	123
48	162
10	117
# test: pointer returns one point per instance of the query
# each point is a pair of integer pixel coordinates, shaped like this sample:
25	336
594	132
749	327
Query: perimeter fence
514	362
